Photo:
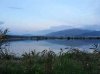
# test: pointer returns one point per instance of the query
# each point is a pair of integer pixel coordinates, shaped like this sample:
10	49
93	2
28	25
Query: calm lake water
20	47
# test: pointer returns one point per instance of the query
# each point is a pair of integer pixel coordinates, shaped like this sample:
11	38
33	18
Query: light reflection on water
19	47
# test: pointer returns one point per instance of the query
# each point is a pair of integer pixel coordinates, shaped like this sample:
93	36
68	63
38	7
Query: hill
94	33
69	32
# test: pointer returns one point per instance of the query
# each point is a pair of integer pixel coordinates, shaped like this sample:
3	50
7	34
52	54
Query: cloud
1	22
15	8
91	27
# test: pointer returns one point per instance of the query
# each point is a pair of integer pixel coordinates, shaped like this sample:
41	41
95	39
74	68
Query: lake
20	47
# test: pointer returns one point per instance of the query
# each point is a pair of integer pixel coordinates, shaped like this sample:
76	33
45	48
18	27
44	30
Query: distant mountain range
63	30
51	30
75	32
93	33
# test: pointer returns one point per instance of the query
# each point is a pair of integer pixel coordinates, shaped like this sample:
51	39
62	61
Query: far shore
20	37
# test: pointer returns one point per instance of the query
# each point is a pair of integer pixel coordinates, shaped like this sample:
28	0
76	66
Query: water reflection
19	47
74	42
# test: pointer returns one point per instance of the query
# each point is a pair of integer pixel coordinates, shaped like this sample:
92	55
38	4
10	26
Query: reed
73	61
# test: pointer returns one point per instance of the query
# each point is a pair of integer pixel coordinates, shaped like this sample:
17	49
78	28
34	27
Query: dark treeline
16	37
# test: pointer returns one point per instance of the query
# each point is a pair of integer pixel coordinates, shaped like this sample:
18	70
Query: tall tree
3	32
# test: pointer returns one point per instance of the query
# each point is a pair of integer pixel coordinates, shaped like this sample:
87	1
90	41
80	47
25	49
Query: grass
47	62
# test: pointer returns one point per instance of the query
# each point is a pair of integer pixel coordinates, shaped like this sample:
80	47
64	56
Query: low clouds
1	22
92	27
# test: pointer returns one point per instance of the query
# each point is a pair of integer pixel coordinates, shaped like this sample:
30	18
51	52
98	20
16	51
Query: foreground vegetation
47	62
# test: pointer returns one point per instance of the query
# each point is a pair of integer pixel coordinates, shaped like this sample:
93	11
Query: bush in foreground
47	62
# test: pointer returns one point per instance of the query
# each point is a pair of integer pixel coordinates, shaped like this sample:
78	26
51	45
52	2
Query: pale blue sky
31	15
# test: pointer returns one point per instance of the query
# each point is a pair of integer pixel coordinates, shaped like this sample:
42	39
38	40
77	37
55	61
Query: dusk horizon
27	16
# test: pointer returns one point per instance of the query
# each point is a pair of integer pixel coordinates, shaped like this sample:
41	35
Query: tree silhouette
3	32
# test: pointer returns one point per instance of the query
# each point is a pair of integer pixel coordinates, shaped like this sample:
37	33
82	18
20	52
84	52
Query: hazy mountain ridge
94	33
64	31
70	32
52	29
